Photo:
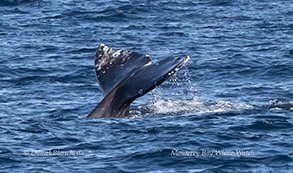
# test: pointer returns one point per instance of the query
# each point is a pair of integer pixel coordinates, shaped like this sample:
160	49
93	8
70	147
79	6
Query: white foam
195	106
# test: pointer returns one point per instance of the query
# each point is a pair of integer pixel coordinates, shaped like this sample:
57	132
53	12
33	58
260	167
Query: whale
124	76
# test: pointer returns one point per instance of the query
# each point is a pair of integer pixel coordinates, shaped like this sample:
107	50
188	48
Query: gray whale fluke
124	76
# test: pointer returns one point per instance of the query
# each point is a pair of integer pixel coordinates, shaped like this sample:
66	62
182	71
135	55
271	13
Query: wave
15	2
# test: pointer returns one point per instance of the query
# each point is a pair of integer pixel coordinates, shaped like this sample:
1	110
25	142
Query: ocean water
229	109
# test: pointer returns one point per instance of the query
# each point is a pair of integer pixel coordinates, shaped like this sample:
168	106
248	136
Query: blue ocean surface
229	109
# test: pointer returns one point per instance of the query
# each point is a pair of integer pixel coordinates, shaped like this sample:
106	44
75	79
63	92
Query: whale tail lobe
124	76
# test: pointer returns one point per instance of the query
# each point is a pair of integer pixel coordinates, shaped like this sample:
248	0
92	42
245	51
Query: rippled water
228	110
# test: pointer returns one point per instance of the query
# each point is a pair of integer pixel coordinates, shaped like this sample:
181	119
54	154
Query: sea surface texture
229	109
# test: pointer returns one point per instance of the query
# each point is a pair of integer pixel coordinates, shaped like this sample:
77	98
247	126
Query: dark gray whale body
124	76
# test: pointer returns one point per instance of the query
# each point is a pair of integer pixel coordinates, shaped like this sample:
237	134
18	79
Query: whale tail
124	76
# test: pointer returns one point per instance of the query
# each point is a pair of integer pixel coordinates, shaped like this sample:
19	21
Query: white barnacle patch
140	91
98	67
102	62
117	53
105	48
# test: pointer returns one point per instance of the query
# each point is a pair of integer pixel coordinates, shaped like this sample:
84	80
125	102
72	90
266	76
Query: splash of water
186	99
278	104
195	105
